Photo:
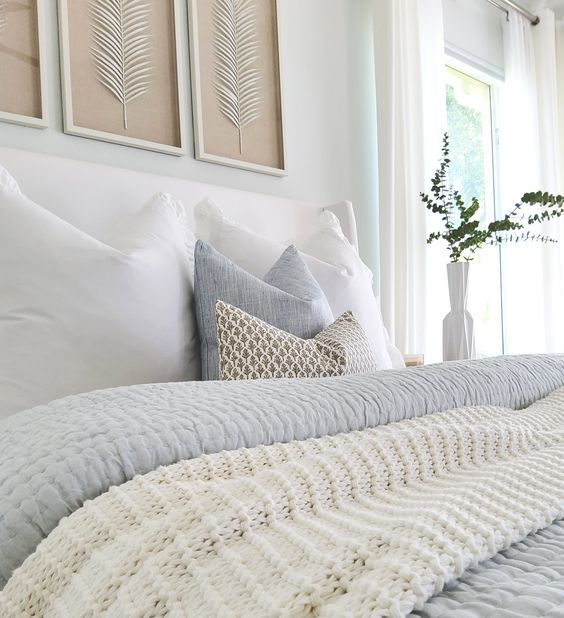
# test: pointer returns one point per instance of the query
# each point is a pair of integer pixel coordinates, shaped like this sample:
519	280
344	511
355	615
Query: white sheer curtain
531	273
560	76
410	90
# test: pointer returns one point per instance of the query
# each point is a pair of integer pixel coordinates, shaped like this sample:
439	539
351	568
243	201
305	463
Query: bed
431	491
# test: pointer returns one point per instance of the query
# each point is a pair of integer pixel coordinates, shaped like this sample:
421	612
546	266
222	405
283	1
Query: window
470	104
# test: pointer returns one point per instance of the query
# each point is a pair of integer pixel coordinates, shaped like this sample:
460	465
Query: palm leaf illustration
122	48
3	15
238	80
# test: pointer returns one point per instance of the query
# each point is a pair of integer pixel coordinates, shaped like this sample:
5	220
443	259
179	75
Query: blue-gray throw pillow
288	298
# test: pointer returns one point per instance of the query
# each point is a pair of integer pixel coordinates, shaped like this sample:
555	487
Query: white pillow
344	278
77	314
8	182
328	243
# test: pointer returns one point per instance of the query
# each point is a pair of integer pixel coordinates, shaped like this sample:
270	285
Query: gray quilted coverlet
54	457
523	581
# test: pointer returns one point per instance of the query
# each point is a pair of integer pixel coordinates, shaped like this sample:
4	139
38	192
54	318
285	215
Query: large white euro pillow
77	314
345	280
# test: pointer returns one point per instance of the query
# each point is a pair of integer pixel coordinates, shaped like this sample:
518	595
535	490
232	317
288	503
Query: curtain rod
505	5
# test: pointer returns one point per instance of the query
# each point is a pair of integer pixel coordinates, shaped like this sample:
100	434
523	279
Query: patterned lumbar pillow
251	349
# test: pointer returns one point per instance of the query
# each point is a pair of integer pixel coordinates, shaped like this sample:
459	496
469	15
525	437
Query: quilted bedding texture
55	457
524	581
369	523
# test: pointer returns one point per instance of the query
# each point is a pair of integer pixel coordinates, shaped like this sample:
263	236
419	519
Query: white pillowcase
332	260
328	243
77	314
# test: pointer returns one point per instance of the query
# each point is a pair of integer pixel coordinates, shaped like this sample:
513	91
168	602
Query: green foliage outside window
467	147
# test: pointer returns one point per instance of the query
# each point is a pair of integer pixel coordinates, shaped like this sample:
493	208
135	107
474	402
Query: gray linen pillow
288	298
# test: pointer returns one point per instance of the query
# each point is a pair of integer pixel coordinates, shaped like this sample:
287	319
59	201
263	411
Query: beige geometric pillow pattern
251	349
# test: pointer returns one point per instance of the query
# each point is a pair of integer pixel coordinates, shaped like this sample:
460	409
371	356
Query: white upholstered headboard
96	197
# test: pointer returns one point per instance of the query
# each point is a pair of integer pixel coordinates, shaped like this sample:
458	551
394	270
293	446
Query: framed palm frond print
22	63
236	84
123	72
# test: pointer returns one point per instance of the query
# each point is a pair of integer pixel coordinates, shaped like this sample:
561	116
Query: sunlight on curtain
560	96
531	273
409	63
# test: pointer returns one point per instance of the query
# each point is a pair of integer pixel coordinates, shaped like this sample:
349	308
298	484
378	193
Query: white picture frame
32	121
197	105
71	128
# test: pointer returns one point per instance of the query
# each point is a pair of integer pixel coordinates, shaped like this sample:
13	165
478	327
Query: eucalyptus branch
462	232
525	236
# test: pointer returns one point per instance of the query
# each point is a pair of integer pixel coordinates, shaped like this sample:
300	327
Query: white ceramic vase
458	325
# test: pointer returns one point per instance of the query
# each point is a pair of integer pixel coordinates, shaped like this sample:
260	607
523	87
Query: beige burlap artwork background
151	112
19	59
244	77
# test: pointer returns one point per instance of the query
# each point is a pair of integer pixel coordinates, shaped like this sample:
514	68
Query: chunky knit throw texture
369	523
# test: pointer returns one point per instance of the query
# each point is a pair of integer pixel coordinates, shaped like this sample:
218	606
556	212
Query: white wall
475	28
327	138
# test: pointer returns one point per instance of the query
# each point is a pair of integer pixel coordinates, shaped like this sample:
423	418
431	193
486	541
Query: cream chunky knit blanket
364	524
